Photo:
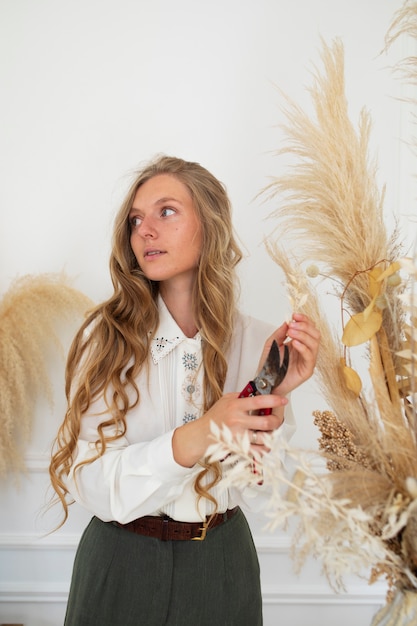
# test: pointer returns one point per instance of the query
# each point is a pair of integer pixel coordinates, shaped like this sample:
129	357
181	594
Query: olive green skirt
124	579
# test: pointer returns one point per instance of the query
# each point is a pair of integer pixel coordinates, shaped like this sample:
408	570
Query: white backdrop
92	88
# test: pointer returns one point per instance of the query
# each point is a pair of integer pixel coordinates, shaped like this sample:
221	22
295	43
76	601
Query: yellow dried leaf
374	284
352	380
370	307
360	329
391	269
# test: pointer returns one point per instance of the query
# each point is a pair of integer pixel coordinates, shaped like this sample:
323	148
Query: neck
179	304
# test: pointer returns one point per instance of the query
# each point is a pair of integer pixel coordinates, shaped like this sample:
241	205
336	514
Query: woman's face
165	231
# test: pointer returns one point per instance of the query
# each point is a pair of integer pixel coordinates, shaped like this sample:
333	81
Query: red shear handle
264	411
248	392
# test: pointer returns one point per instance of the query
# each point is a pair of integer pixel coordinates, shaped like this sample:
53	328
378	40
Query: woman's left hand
303	346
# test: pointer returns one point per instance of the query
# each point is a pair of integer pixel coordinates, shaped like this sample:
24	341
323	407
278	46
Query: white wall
90	89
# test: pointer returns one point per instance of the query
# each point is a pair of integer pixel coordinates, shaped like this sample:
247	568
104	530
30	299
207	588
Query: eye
135	221
167	211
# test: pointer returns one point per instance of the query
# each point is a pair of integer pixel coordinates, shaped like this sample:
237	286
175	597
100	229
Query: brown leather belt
167	529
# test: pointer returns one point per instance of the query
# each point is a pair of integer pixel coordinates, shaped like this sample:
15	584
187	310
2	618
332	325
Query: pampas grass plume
30	314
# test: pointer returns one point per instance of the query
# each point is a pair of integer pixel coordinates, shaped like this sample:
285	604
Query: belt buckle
203	529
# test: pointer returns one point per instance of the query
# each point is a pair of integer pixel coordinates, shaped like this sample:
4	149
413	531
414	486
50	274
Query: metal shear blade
270	376
272	372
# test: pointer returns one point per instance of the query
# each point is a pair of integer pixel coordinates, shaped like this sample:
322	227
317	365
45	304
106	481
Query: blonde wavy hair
116	346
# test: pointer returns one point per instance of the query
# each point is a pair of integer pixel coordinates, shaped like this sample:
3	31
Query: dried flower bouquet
355	499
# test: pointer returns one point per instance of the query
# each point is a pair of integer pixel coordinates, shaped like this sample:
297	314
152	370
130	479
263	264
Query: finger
256	403
306	356
300	317
306	325
304	346
278	335
304	334
264	423
255	437
257	441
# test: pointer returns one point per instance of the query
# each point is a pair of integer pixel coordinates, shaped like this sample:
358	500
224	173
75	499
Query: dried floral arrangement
30	313
354	501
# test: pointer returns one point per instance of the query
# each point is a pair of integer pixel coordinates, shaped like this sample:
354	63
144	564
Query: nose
147	228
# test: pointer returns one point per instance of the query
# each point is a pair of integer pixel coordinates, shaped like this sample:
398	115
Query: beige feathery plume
330	198
31	312
404	23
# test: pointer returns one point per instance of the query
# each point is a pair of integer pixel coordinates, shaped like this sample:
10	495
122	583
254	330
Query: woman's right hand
191	441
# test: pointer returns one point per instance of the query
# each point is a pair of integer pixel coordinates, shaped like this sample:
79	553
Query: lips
153	253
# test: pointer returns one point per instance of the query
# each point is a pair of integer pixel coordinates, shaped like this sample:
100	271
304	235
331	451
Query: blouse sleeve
129	480
137	475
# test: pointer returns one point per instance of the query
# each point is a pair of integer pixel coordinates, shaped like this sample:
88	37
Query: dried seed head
312	271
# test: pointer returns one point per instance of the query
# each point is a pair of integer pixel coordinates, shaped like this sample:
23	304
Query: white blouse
138	475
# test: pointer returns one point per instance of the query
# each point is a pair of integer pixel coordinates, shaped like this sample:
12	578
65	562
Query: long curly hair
112	345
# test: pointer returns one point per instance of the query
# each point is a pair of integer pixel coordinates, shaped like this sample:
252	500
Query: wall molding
37	463
31	542
33	592
276	595
272	544
321	595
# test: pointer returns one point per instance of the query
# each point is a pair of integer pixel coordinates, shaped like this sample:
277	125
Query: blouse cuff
161	460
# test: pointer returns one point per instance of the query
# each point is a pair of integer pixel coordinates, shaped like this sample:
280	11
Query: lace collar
168	335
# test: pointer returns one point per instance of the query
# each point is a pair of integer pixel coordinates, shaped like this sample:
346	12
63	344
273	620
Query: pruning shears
270	376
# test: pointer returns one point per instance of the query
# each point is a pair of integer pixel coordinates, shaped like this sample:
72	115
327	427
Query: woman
148	372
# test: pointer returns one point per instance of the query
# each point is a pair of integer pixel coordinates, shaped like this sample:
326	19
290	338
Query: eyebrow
167	199
163	200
